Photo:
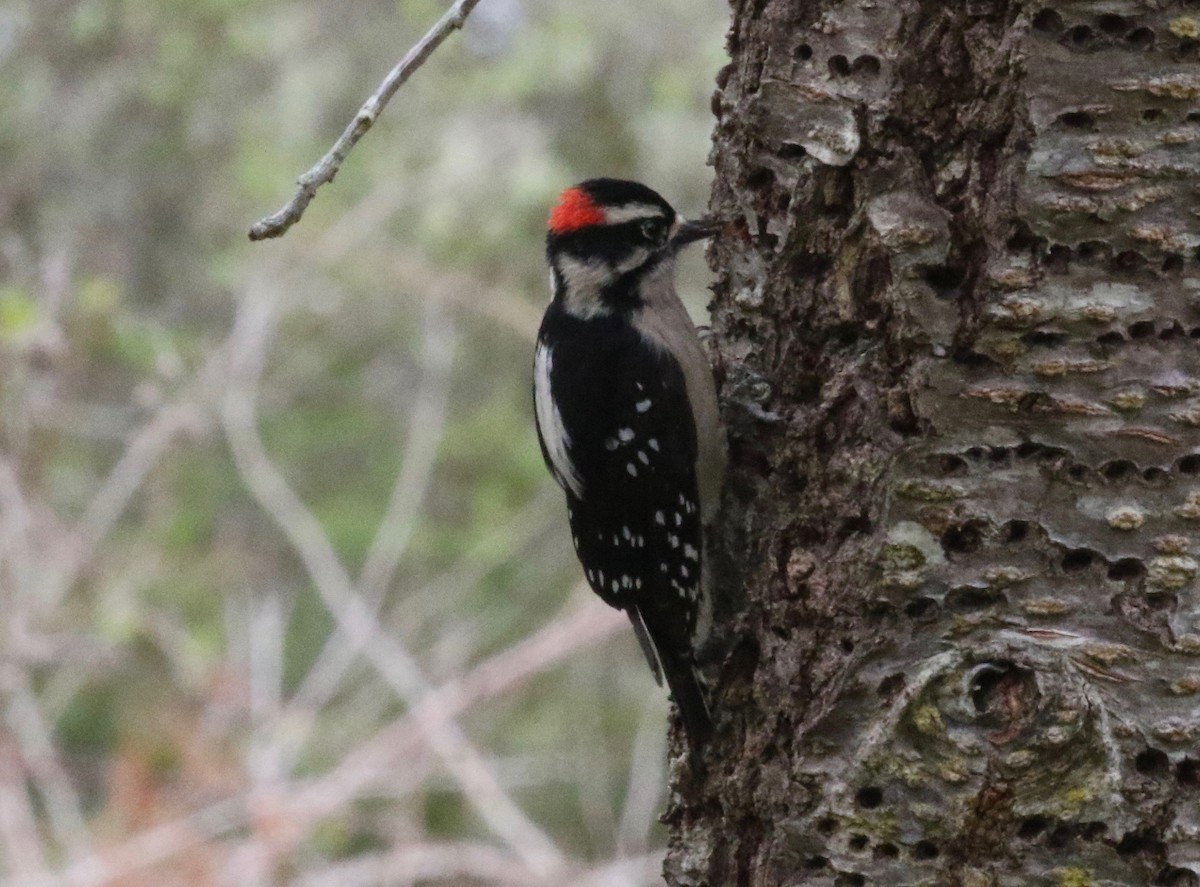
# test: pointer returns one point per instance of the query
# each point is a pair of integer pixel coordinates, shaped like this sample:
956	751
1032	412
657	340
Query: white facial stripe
633	212
582	275
636	258
549	420
582	282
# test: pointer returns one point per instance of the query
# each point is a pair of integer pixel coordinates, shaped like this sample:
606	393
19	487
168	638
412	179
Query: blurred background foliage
162	641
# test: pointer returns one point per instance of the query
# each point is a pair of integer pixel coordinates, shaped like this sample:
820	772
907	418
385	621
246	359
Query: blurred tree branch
354	616
327	167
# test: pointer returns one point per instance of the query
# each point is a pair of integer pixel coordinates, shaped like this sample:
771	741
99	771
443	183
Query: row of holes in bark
1057	258
1138	331
840	65
921	851
1058	836
1113	471
968	537
967	599
946	280
1108	29
1085	120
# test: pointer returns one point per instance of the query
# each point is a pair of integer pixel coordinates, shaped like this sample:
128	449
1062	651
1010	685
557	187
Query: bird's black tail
674	661
692	704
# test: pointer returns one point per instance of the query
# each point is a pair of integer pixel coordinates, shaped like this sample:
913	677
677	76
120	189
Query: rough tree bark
957	321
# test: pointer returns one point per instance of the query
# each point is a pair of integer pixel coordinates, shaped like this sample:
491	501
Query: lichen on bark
957	322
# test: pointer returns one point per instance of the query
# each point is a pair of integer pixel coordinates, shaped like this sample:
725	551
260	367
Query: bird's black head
605	235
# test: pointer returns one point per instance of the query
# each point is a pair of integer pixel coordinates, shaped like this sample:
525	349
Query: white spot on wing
625	434
632	469
691	553
653	442
643	458
550	423
642	405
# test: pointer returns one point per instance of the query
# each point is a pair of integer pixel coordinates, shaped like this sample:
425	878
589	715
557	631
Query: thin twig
327	167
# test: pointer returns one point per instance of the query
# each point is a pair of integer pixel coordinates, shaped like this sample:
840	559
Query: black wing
626	427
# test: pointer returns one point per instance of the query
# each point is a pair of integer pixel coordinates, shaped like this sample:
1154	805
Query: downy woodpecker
627	420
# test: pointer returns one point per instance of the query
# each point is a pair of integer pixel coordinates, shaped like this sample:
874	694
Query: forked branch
327	167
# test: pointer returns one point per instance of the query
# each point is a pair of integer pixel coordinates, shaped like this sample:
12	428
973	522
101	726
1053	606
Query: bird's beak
689	232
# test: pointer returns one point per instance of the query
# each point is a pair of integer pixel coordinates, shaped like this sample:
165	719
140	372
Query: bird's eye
652	230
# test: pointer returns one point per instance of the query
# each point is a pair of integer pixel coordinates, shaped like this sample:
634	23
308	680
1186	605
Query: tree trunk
957	322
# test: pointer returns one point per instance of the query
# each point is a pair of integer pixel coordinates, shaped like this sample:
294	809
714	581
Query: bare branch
564	636
187	412
355	619
427	420
426	424
647	779
412	863
46	772
327	167
467	292
14	528
149	847
23	854
265	641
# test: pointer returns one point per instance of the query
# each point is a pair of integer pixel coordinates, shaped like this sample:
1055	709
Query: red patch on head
575	210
